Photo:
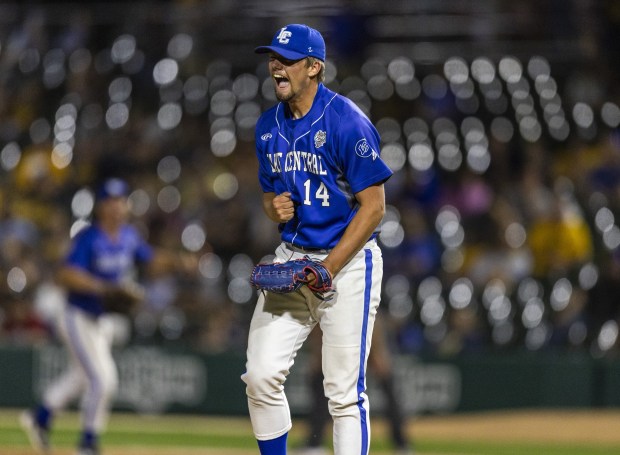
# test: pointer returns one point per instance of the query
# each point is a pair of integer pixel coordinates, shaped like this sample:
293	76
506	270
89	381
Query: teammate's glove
122	297
289	276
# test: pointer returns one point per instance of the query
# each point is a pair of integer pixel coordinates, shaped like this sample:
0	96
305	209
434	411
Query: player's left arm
370	213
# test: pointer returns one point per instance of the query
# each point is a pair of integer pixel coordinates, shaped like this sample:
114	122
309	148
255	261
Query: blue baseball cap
296	41
112	187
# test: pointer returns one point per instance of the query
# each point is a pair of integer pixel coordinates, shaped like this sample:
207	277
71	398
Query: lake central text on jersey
297	161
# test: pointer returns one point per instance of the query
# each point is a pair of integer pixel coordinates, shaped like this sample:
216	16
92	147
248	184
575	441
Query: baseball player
322	178
99	271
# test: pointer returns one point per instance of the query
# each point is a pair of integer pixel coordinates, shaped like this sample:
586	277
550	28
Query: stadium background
501	243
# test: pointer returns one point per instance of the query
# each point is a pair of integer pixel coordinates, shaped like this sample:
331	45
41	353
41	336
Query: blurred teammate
102	259
379	365
322	181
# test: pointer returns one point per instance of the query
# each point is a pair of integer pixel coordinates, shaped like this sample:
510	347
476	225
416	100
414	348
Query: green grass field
510	433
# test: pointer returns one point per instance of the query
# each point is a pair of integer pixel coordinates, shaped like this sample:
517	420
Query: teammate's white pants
92	372
280	325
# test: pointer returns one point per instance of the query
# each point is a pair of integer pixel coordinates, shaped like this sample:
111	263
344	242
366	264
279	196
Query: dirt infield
565	426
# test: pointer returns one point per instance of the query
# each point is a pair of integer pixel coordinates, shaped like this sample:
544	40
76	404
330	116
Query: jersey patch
266	136
364	150
319	139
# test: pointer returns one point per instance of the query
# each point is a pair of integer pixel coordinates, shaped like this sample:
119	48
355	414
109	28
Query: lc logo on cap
296	41
284	36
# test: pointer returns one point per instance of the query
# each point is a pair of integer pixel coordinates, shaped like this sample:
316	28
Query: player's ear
313	67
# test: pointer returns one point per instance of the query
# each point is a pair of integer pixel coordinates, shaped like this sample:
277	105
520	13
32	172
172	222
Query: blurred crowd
500	230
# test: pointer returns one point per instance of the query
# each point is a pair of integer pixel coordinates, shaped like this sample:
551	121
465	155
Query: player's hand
312	278
284	207
122	297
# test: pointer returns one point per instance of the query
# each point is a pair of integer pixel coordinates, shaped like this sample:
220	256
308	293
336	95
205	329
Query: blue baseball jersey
323	160
109	259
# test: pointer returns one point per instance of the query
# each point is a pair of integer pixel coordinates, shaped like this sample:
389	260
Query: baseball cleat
37	435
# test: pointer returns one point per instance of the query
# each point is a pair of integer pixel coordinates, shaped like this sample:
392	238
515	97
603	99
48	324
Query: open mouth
280	81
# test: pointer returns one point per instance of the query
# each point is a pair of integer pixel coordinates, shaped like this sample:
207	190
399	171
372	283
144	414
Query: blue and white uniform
112	260
94	372
86	333
323	160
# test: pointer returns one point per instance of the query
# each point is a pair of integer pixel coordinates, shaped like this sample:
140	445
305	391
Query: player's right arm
279	208
78	280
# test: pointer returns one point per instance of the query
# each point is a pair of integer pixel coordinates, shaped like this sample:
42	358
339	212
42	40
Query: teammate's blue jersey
109	259
323	160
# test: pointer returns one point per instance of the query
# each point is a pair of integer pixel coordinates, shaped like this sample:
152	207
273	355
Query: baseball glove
122	298
289	276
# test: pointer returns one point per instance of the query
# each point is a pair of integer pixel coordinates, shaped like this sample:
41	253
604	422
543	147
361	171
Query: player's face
290	77
114	210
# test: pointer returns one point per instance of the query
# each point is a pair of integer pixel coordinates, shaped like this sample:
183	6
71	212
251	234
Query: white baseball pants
92	373
280	325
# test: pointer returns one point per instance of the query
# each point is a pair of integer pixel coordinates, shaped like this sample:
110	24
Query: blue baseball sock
43	416
275	446
88	439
